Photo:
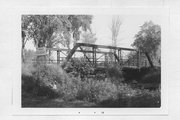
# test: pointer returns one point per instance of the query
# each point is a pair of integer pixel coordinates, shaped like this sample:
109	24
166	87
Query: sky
130	26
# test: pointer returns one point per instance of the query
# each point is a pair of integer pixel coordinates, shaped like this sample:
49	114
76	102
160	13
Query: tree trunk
41	59
149	59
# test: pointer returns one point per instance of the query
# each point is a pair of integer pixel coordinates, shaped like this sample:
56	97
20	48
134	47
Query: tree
79	21
43	28
50	30
115	27
24	25
148	39
88	37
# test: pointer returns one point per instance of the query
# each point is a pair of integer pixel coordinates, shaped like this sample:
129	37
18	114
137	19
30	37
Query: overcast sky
130	26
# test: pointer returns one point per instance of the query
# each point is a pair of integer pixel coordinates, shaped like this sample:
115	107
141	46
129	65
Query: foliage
80	21
142	75
28	81
42	80
88	37
145	98
153	76
79	68
42	27
49	30
50	77
96	91
51	81
148	38
29	55
24	25
128	97
115	74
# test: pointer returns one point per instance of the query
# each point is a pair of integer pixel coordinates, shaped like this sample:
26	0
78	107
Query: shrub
28	81
144	75
145	98
43	80
69	89
27	69
79	67
95	91
128	97
115	74
139	97
50	79
153	76
130	74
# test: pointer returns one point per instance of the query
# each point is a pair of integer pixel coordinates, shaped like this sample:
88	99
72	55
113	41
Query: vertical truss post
114	56
58	56
105	59
94	56
85	56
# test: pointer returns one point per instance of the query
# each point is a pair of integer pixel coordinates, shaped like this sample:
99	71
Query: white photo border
16	93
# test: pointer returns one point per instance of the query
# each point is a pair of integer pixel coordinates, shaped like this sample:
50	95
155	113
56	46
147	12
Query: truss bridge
101	55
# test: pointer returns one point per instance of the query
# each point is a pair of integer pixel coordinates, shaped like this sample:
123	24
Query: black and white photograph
90	61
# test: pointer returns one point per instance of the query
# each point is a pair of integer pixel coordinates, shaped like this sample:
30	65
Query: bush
79	67
28	81
144	75
51	81
153	76
146	98
115	74
95	91
128	97
130	74
27	69
43	80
